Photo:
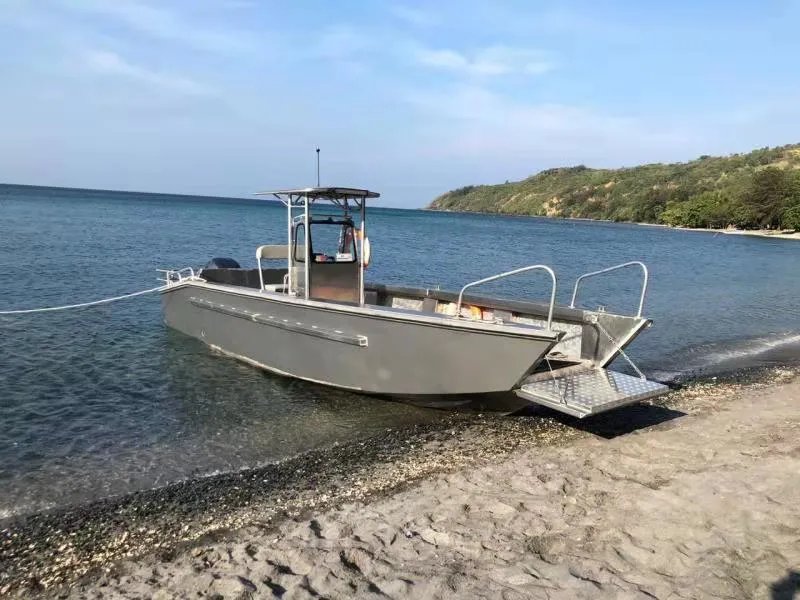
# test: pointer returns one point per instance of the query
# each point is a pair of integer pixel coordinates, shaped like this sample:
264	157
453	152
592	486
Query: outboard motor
211	271
222	263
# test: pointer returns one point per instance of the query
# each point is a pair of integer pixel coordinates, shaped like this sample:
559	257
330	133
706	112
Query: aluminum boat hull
373	350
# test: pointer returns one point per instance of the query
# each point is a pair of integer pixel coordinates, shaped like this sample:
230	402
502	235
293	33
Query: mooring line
29	311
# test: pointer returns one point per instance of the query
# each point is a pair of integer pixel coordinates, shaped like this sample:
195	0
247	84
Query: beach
693	497
447	337
778	234
781	235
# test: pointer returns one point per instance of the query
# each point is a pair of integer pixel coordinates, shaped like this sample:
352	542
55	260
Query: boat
313	316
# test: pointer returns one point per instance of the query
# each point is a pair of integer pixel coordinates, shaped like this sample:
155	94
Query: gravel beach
693	497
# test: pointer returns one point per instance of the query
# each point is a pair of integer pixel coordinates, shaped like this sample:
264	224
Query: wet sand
693	497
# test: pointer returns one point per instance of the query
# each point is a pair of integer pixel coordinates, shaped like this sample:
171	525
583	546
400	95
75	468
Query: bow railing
509	274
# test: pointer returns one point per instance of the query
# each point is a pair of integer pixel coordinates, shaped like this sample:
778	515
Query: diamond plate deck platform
590	392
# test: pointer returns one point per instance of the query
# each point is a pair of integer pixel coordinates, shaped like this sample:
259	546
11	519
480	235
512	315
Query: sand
704	505
779	234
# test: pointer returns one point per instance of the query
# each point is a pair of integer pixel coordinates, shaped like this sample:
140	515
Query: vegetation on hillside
758	190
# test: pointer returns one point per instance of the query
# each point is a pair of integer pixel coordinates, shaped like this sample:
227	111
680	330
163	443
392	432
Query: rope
83	304
561	394
621	351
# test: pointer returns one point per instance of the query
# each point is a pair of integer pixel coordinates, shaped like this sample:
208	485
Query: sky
228	97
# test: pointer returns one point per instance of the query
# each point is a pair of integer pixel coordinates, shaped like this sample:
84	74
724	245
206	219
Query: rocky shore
694	496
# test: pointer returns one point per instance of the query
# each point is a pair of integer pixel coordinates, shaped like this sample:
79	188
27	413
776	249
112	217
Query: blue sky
411	99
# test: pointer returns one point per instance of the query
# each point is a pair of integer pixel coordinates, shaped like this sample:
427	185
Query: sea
107	400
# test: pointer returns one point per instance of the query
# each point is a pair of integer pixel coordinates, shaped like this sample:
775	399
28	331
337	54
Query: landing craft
316	318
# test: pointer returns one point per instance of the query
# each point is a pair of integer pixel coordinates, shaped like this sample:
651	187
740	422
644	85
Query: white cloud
110	63
345	47
493	60
414	16
474	122
445	59
240	4
162	23
341	41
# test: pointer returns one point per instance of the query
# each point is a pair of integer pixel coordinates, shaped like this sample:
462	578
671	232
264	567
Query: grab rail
614	268
175	276
508	274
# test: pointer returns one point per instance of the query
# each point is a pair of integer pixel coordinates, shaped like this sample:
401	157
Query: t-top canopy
325	193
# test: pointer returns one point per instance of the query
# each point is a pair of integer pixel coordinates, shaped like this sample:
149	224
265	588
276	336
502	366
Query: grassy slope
629	194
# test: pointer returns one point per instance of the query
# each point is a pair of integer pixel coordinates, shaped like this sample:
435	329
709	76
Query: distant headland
757	191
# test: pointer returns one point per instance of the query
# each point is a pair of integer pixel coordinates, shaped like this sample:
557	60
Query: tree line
770	200
756	190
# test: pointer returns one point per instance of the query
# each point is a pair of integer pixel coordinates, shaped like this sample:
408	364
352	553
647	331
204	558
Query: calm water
107	400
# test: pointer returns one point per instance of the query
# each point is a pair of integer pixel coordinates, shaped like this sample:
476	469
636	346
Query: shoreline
763	233
82	546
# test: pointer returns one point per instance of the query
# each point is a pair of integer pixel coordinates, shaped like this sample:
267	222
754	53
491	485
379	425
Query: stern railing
508	274
645	274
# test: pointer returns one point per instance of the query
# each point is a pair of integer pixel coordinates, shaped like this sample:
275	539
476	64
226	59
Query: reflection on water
210	414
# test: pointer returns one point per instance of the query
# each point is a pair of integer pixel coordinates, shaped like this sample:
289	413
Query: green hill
760	189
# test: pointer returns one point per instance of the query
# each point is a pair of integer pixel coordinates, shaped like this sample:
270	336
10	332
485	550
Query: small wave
752	347
664	376
720	356
9	512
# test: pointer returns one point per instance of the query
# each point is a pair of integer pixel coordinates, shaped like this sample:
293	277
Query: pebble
436	538
63	545
500	509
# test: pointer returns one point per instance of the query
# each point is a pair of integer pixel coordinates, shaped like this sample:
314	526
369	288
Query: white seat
273	251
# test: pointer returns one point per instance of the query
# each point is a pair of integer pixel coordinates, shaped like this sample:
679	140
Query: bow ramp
589	392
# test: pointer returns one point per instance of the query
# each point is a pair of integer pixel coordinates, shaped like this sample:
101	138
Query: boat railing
176	276
509	274
635	263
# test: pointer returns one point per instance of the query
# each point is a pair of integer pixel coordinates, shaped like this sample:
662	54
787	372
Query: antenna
317	167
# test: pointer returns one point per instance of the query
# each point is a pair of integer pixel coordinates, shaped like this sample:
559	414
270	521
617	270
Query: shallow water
107	400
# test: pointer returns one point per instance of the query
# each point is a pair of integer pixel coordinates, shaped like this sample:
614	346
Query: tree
791	217
767	195
651	207
743	215
705	210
